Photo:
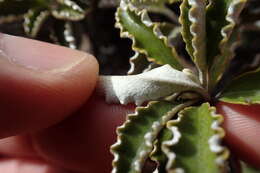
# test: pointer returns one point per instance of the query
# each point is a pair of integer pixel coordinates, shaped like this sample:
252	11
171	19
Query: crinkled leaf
159	82
146	36
68	10
63	34
138	63
172	32
243	90
248	169
33	21
216	20
196	143
157	6
185	24
192	19
223	45
157	154
137	134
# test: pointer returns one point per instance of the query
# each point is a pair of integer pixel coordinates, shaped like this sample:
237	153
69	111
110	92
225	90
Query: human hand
46	102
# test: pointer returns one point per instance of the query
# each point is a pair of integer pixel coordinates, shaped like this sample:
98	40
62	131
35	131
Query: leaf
157	6
243	90
63	34
248	169
195	146
138	63
146	36
198	31
68	10
229	39
172	32
137	134
157	154
185	24
33	21
193	23
157	83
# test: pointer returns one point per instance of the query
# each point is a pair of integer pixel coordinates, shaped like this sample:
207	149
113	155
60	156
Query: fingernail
38	55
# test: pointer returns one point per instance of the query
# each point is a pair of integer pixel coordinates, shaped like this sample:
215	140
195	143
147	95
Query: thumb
41	84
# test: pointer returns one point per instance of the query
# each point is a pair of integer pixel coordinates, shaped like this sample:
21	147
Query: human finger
41	84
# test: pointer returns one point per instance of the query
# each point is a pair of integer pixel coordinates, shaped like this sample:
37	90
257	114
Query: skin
53	122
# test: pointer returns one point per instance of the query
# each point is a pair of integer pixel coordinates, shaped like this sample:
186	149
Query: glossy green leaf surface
248	169
147	38
243	90
137	135
198	149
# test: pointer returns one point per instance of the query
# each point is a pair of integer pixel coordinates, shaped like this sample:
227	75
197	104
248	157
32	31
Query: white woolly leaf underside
157	83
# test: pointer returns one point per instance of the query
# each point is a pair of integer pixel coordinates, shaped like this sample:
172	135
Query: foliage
179	129
36	12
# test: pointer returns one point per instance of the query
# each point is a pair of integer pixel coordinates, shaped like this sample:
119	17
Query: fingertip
82	142
41	84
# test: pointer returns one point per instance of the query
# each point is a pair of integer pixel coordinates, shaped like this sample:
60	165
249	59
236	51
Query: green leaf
157	6
137	134
185	24
193	23
63	34
146	36
223	45
33	21
248	169
172	32
68	10
157	154
195	146
216	20
243	90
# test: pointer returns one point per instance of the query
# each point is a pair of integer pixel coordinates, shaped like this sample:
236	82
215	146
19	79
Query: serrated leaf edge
198	31
37	24
149	136
134	60
143	14
214	141
65	15
232	17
